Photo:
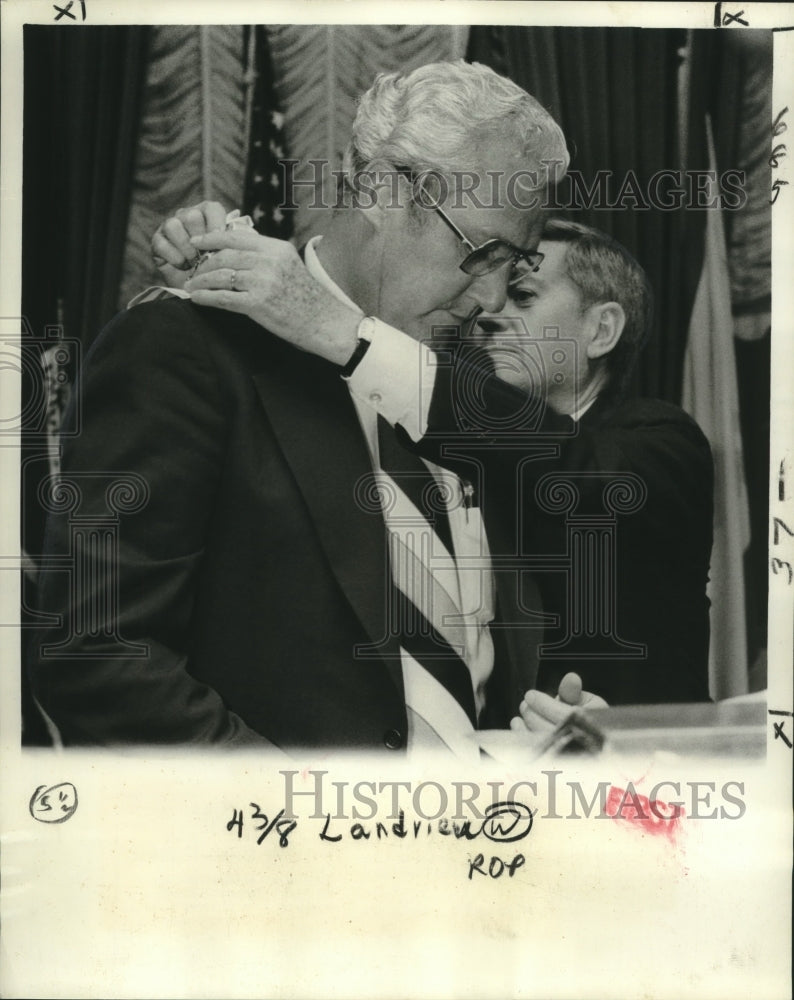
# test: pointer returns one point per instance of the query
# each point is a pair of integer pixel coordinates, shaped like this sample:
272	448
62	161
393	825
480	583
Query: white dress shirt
395	379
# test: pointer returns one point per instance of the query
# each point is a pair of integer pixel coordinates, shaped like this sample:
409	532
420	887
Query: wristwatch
366	329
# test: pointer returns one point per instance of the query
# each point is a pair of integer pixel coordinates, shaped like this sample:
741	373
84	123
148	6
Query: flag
711	396
264	195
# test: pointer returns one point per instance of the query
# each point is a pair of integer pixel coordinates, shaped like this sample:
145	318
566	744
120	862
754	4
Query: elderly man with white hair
295	576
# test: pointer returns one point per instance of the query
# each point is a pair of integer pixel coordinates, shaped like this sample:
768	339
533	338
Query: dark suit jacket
252	583
611	516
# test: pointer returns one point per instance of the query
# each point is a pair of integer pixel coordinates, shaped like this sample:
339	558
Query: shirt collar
318	272
580	412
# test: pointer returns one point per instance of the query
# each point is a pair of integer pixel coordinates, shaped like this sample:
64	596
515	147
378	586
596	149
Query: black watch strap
362	346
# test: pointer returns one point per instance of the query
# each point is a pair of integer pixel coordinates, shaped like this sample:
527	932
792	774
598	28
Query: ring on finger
232	280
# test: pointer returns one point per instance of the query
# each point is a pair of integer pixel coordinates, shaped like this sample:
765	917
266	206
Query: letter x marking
730	18
67	10
778	726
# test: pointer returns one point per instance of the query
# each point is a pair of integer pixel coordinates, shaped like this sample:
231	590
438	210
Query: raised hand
540	712
266	280
172	251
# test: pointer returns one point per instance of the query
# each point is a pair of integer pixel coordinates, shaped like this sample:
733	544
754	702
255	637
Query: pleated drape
193	134
320	71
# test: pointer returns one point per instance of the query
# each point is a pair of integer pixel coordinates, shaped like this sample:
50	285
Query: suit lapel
318	430
519	667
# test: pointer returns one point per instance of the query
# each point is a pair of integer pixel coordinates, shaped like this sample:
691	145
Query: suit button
393	739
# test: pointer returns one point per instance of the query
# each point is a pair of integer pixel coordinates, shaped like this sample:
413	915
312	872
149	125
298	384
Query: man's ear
607	320
381	194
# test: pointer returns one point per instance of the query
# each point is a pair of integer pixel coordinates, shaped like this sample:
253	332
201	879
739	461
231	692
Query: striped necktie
423	613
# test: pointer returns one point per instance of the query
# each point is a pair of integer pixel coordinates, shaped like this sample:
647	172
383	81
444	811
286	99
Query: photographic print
398	533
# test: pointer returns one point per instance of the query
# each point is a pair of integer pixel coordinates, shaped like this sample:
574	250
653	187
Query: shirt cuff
396	378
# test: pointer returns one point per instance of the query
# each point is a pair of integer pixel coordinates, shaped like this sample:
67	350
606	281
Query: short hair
429	120
604	271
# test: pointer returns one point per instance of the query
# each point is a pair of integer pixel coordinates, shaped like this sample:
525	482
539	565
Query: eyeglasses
488	256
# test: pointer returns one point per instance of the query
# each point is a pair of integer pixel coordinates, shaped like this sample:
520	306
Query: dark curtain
82	94
614	92
81	101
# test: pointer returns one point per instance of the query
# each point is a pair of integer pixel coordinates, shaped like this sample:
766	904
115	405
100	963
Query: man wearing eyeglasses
295	579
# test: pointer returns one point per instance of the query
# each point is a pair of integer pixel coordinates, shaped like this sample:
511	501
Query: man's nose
490	290
491	325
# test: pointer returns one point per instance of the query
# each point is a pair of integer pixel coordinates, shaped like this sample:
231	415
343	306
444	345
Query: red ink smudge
651	816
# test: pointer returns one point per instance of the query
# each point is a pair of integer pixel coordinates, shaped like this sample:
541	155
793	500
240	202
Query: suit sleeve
139	482
471	409
647	467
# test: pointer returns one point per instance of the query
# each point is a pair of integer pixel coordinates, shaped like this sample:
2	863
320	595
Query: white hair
434	117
